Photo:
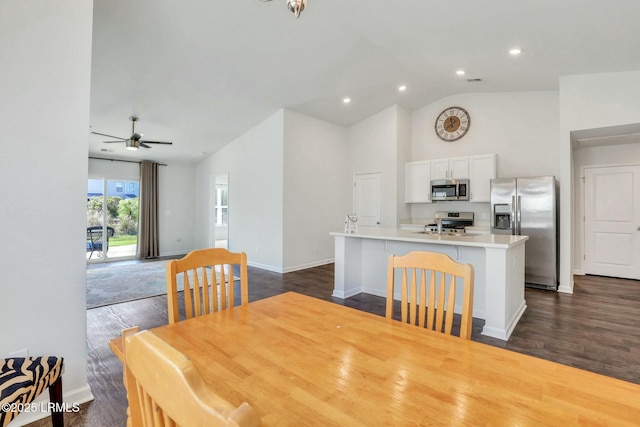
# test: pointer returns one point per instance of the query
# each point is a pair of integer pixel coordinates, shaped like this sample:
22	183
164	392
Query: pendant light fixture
295	6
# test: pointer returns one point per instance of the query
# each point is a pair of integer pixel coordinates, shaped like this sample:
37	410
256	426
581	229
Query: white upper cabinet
459	168
453	168
418	182
482	169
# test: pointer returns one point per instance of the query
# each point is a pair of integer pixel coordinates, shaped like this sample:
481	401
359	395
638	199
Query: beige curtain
148	227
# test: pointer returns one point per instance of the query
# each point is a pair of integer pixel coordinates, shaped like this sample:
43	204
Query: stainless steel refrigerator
527	206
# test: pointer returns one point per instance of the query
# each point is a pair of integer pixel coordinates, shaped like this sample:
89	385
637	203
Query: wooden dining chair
164	389
208	278
434	300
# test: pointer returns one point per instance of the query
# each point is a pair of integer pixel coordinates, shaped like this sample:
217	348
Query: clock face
452	124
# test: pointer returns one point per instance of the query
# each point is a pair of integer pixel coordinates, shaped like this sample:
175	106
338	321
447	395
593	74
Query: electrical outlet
20	353
257	249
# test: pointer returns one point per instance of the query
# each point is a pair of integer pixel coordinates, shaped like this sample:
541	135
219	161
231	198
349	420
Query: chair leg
55	396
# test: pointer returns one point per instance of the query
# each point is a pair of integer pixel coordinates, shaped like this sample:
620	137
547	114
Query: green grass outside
122	240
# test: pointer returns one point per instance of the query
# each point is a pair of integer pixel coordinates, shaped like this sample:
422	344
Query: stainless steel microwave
449	189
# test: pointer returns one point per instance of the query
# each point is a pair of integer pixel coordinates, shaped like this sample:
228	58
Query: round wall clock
452	124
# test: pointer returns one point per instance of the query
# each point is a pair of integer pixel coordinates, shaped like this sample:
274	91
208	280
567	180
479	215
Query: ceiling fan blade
110	136
158	142
112	142
142	144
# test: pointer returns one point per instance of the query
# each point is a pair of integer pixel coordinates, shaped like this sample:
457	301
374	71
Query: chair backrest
165	389
94	233
200	271
434	300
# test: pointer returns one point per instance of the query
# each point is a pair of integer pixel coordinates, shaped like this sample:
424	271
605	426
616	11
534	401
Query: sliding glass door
112	219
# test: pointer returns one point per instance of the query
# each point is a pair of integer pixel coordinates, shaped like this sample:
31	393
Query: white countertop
477	240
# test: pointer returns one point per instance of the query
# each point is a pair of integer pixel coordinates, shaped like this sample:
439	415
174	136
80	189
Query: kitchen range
450	222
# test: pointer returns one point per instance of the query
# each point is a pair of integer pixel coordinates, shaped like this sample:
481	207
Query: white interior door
612	221
367	199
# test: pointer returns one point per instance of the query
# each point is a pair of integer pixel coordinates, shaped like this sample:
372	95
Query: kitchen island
498	261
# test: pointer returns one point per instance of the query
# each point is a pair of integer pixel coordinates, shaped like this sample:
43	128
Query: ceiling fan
135	141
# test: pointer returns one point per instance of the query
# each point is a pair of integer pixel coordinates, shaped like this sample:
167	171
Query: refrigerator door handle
514	219
519	215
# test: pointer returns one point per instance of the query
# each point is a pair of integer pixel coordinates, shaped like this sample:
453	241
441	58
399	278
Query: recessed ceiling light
402	88
460	72
515	51
346	100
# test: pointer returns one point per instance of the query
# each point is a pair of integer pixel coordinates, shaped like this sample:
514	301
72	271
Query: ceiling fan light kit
134	142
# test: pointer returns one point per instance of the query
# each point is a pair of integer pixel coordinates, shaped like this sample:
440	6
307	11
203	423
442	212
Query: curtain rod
126	161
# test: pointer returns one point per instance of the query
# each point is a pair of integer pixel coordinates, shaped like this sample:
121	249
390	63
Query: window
119	187
221	207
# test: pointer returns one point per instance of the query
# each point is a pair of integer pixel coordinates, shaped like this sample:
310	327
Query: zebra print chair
22	379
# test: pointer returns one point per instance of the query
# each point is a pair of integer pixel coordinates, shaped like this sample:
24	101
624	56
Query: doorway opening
606	219
221	211
112	219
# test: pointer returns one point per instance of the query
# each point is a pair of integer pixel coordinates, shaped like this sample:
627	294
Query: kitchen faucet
350	223
438	224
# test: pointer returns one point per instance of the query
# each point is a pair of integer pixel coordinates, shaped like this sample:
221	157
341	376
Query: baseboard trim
71	398
174	253
289	269
309	265
264	267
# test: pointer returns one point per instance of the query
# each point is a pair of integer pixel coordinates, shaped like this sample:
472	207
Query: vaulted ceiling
201	73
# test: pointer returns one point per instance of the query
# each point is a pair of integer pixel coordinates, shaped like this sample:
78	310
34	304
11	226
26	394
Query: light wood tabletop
302	361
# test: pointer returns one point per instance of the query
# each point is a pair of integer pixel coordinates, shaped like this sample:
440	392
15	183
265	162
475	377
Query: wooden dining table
301	361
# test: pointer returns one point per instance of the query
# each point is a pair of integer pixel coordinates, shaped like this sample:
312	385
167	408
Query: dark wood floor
596	329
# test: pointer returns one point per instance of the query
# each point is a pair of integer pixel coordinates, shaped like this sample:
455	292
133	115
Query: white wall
45	52
317	189
403	156
373	147
176	200
176	203
288	188
254	163
588	102
520	127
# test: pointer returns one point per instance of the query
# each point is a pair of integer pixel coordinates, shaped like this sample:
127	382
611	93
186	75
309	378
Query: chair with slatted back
200	270
165	389
434	299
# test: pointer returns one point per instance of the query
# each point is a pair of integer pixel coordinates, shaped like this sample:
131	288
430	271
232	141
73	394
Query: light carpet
112	285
